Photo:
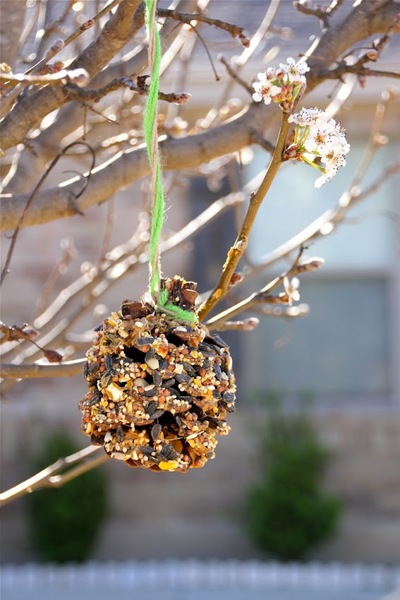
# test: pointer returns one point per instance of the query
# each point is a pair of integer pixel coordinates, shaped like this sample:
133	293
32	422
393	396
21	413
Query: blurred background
335	365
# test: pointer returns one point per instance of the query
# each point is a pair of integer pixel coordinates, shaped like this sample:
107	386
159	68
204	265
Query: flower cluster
319	141
283	85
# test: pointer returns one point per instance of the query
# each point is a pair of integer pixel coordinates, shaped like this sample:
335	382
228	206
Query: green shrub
64	522
289	513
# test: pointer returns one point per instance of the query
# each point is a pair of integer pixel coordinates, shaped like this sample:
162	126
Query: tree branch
37	371
194	150
140	88
56	48
368	18
82	293
31	109
236	251
263	296
49	140
52	476
131	165
234	30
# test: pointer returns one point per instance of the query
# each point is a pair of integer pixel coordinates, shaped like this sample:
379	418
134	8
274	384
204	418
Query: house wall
200	514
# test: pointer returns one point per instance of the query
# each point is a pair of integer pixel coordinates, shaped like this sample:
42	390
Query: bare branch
264	296
55	48
30	110
68	252
13	334
361	72
51	323
140	88
321	13
234	30
245	325
53	475
358	68
131	165
38	371
236	77
327	222
57	78
367	18
52	137
236	251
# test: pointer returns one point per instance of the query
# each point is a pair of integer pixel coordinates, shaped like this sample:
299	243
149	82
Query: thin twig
36	371
318	12
54	27
234	30
375	137
60	77
124	82
236	251
84	27
122	260
53	476
264	296
331	218
217	77
13	333
233	74
372	54
214	113
358	70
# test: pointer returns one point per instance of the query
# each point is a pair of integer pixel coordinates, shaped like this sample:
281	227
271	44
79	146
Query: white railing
191	574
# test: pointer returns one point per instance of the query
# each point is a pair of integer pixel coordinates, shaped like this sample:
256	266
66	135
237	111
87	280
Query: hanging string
151	138
159	296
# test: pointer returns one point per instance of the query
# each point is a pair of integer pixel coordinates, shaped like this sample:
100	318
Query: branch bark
66	369
371	16
368	18
30	110
55	475
43	148
127	167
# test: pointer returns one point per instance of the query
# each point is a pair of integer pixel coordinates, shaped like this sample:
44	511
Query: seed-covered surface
159	390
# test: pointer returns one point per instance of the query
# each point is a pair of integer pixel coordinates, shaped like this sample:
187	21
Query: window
344	345
340	347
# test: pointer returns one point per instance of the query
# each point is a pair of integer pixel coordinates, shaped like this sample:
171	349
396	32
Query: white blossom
291	287
295	70
283	85
318	136
265	89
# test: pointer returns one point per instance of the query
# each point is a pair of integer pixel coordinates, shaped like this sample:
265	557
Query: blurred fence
80	580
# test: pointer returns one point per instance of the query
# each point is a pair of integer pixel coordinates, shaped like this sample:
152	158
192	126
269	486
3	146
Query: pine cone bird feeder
159	388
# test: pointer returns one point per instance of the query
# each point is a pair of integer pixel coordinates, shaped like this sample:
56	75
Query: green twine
150	130
176	311
159	297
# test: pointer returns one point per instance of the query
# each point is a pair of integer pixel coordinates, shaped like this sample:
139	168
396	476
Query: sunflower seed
156	431
151	407
157	379
144	341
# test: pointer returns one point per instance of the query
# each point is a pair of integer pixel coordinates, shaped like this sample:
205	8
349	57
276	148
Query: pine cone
159	389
